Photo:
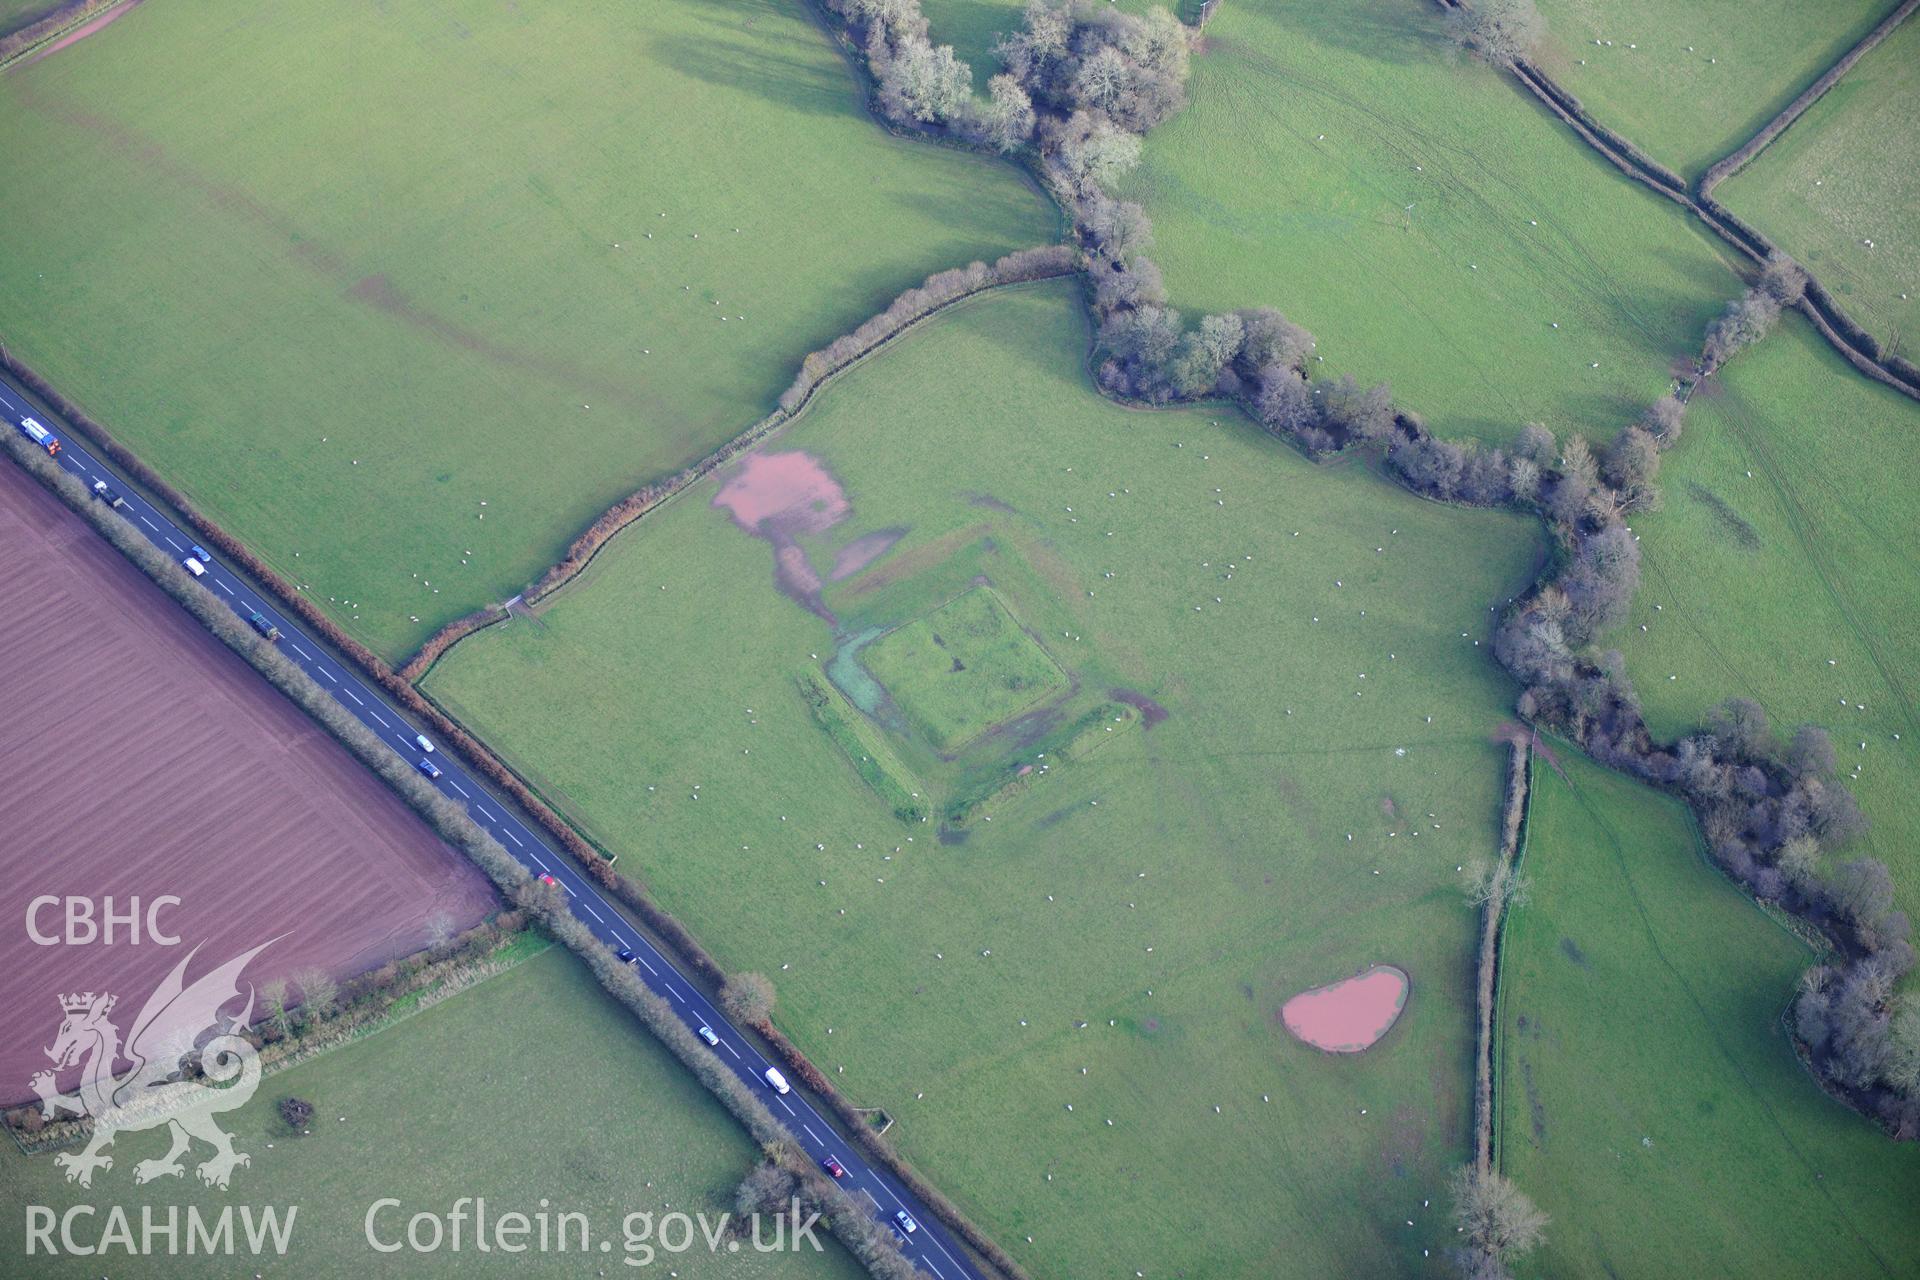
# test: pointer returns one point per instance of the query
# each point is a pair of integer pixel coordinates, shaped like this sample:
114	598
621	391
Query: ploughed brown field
138	756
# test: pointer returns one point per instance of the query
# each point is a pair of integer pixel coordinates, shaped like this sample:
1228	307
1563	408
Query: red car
833	1166
546	879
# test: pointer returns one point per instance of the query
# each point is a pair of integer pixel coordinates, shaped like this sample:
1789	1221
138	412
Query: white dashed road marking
351	694
457	787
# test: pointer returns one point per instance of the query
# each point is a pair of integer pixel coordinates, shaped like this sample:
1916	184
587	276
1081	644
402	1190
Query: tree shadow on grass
796	81
1385	31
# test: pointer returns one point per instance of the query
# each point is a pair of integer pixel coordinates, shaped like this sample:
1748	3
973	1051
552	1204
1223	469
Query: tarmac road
930	1245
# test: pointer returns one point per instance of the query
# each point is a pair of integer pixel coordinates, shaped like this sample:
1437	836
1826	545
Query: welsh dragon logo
180	1026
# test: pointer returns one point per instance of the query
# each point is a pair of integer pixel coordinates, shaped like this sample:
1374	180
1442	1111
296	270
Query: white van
776	1081
194	567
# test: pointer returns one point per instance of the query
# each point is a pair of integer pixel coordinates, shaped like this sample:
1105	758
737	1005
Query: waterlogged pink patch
1349	1015
779	496
782	493
863	551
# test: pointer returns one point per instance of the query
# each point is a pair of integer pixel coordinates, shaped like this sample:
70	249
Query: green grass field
1848	172
1650	1099
1691	80
1425	219
533	1084
346	298
1143	906
964	668
1785	565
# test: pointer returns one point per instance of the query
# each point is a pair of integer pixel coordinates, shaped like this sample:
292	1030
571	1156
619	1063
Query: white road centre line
382	719
302	652
483	813
936	1270
869	1195
150	524
943	1253
457	787
730	1049
328	674
176	546
656	973
514	838
588	908
783	1102
351	694
223	586
675	994
810	1133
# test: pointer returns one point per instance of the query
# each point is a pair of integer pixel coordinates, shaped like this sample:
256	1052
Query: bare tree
1007	119
1089	151
748	998
273	999
1499	31
925	83
319	993
765	1190
1496	1218
1663	418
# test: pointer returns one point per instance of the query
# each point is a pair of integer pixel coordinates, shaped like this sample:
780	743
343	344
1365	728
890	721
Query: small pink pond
1349	1015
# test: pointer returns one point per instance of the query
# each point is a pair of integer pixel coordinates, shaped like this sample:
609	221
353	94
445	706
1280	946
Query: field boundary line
1854	344
21	45
1488	998
1740	156
642	502
417	1001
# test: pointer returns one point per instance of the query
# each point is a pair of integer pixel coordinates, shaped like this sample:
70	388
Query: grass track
1651	1101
